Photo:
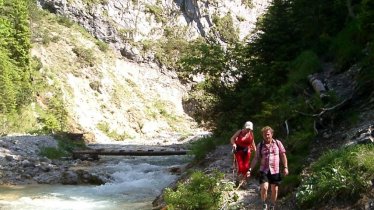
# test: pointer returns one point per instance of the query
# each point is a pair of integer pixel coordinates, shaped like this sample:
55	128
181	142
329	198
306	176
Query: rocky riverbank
21	161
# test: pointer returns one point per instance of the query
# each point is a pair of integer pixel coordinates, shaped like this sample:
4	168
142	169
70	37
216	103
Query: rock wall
128	93
123	23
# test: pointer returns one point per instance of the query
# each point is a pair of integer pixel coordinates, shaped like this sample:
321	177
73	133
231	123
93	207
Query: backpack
262	144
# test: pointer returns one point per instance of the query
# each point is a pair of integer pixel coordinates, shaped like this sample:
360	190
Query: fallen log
77	154
317	85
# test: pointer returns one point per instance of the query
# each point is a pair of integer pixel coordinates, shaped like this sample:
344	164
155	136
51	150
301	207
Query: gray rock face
123	23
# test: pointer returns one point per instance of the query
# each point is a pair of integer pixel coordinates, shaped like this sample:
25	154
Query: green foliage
305	64
225	28
65	147
51	124
14	55
168	51
8	91
247	3
94	2
202	147
266	80
204	58
157	12
298	142
104	47
339	174
127	34
105	128
47	38
366	74
65	21
22	121
52	153
55	118
85	55
201	191
19	40
67	144
347	46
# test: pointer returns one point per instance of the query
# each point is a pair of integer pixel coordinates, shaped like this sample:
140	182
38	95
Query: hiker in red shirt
270	152
243	142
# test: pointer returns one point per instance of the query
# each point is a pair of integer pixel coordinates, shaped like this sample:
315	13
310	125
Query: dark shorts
271	178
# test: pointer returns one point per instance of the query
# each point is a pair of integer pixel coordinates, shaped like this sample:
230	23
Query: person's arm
285	163
255	159
233	138
253	145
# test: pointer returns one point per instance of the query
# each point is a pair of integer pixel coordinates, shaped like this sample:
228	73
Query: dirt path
221	159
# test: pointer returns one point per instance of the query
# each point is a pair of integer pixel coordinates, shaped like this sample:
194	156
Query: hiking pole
234	165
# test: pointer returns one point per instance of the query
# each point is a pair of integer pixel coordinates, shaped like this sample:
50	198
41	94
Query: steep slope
119	85
106	95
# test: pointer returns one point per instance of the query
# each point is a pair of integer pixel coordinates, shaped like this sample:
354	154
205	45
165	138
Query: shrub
52	153
65	21
201	147
85	56
157	12
65	147
346	45
201	191
104	47
225	27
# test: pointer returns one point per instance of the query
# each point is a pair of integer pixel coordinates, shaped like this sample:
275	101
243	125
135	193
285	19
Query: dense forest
263	79
268	73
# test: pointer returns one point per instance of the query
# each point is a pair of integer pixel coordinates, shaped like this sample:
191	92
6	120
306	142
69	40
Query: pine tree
15	54
7	89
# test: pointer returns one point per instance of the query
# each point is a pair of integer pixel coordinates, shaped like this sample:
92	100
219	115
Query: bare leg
274	193
264	191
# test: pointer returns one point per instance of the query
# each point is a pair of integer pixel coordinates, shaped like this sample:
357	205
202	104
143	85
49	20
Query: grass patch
85	55
64	149
341	174
105	128
157	12
52	153
104	47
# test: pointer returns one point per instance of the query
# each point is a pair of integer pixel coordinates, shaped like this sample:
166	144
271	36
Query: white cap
249	125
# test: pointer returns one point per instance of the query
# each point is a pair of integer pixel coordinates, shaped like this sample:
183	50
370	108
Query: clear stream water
136	181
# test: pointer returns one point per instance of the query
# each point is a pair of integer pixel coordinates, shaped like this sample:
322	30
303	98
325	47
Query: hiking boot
244	185
272	207
236	183
264	206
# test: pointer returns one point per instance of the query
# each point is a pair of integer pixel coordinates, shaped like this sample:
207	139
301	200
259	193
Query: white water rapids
135	182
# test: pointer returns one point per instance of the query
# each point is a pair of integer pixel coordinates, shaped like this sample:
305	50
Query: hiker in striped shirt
270	153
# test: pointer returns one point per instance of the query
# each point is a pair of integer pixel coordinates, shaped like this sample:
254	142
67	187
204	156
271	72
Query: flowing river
135	182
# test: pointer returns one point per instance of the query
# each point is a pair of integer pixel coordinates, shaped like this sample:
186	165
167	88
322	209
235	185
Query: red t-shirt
244	139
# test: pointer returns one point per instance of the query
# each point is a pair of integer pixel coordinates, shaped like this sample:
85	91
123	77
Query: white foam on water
136	182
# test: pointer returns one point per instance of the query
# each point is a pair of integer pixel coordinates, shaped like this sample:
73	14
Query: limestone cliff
112	84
